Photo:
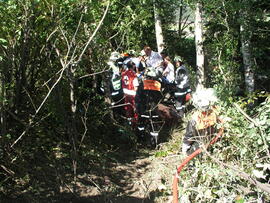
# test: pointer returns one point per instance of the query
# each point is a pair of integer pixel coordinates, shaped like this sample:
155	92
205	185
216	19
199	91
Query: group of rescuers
153	72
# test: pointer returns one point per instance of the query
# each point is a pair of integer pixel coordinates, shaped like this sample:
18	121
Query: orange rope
190	157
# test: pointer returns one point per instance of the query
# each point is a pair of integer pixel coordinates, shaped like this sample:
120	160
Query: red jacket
129	81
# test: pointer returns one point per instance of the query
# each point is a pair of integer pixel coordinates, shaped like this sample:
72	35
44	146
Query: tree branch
263	186
94	33
65	64
256	124
92	74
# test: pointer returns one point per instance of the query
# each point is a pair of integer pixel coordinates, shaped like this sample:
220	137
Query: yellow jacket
205	119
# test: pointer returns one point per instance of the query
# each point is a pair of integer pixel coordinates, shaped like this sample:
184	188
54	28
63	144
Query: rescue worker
153	59
130	85
115	85
147	98
168	72
183	90
140	100
203	121
139	63
126	59
163	54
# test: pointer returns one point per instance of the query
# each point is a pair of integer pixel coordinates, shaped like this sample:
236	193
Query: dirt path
140	175
119	171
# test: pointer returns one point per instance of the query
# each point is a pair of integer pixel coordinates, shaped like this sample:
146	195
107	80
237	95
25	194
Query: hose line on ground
186	160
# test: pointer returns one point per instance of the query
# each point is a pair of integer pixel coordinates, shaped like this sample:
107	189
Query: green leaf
240	200
3	40
161	154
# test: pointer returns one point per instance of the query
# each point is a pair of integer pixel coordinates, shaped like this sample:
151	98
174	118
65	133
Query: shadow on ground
112	174
69	198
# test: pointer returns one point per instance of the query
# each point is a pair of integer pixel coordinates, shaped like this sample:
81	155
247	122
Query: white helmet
114	56
204	98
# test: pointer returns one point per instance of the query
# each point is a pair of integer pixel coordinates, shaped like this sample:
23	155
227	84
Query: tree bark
180	13
246	33
2	109
24	56
199	46
73	133
158	28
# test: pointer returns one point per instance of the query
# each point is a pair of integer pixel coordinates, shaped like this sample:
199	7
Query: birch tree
246	34
158	28
199	45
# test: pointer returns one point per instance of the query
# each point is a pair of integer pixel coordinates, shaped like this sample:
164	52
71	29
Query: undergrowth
227	170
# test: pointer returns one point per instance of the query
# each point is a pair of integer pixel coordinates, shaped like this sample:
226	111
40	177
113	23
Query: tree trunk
73	133
158	28
2	109
246	33
199	46
179	20
23	58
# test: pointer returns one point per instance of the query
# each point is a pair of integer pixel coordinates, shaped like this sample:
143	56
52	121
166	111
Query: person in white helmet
204	120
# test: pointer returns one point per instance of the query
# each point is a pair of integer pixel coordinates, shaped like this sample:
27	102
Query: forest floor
133	173
112	169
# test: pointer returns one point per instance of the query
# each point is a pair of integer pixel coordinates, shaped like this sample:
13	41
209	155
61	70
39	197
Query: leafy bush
216	176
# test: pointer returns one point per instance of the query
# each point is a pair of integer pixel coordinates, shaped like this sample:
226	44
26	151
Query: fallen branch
256	124
245	114
263	186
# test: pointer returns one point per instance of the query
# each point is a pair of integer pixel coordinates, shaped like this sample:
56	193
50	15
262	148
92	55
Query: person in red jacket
130	84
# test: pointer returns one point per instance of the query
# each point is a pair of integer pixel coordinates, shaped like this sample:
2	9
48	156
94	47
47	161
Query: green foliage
36	37
161	153
223	48
243	146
